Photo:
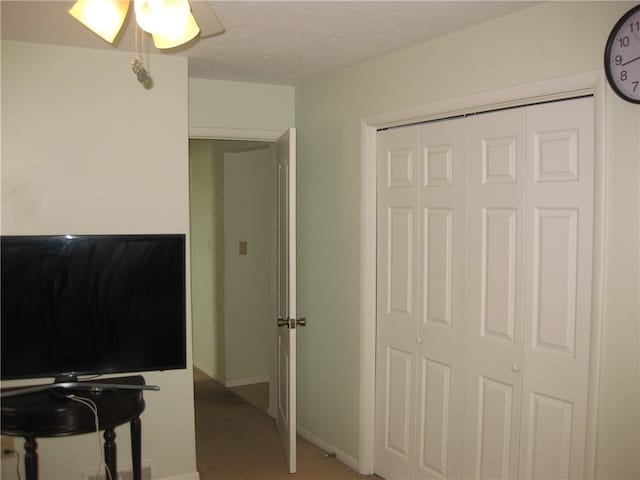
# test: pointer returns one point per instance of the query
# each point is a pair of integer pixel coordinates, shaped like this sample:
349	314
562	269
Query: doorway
588	83
233	234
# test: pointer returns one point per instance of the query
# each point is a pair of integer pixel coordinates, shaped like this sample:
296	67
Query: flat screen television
76	305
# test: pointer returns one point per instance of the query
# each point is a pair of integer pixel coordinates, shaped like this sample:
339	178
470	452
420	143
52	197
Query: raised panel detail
555	156
283	374
400	259
499	160
398	390
549	439
498	282
400	168
437	274
438	165
555	279
494	429
434	424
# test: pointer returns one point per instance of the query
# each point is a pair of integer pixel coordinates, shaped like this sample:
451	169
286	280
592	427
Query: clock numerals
624	41
622	56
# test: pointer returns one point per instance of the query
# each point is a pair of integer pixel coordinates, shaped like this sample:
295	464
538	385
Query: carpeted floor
235	440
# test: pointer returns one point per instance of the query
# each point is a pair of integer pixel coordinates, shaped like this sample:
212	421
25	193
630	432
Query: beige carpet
235	440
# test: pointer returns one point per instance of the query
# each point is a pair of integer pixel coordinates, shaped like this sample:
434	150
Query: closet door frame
560	88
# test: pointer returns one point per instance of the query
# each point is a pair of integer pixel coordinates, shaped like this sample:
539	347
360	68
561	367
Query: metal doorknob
515	368
292	323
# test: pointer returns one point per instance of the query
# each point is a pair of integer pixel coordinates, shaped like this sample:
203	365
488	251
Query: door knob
292	323
515	368
283	322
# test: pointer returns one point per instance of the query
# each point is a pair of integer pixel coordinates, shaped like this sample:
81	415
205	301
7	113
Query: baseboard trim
183	476
205	370
327	447
237	382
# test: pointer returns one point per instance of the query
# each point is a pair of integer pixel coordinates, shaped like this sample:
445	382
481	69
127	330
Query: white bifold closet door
421	325
485	229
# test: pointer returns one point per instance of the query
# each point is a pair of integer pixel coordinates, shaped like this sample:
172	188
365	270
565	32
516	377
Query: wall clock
622	56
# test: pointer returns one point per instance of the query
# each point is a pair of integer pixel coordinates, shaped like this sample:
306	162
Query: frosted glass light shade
177	36
161	16
102	17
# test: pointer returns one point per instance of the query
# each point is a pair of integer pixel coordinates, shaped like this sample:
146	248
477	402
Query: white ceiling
273	41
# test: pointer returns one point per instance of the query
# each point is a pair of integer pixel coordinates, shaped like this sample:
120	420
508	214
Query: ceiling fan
171	23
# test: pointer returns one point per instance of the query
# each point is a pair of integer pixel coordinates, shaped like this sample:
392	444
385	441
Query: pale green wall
250	212
619	425
239	105
206	193
86	149
541	42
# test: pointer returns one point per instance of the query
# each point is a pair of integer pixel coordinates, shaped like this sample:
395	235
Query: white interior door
420	355
441	304
286	351
485	232
530	259
557	333
496	185
398	253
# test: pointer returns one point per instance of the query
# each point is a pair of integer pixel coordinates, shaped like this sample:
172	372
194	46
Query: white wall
86	149
249	216
206	209
544	41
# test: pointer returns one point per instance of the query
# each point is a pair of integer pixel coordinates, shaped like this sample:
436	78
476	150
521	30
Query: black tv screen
92	304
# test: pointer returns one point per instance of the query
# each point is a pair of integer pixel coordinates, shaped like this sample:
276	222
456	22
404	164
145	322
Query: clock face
622	56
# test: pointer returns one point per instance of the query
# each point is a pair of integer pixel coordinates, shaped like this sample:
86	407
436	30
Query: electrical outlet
7	444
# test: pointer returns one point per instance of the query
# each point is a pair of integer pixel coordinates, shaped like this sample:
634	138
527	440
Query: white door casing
286	348
568	86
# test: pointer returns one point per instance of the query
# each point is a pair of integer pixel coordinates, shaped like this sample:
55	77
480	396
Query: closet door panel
495	159
558	288
398	254
440	331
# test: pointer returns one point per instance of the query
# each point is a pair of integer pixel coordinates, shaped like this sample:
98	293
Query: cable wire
13	452
90	404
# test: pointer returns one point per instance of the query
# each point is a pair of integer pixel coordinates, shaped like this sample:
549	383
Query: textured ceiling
273	41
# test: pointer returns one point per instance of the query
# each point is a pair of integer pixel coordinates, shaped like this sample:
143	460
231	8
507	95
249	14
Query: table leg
136	448
30	458
110	453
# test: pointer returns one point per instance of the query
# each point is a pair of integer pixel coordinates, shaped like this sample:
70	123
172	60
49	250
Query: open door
287	321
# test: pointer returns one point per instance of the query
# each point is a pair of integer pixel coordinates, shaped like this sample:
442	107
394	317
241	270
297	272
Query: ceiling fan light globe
177	36
102	17
161	16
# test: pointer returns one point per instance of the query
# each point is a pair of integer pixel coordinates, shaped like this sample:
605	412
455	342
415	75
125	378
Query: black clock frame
607	53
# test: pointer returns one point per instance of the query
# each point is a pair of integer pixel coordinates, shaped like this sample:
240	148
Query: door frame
221	133
565	87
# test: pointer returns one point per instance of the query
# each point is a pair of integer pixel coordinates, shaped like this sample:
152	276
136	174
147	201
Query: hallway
235	440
